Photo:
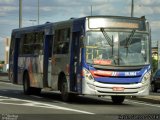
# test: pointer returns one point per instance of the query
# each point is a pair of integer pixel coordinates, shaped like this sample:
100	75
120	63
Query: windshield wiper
109	40
129	39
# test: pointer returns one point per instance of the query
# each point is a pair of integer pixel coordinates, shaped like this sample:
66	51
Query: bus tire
36	91
153	87
118	99
26	84
65	95
64	91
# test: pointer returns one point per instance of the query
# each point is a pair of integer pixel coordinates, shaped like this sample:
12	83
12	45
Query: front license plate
118	88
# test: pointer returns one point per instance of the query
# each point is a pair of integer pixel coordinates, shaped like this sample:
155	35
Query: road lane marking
143	103
39	104
8	83
49	106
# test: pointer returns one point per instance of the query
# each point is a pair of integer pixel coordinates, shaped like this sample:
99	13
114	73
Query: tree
1	65
154	65
1	62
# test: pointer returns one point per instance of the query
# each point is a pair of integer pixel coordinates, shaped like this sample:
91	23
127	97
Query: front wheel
64	91
36	91
118	99
66	96
153	88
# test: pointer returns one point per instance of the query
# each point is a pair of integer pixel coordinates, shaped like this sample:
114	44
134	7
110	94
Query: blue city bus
93	55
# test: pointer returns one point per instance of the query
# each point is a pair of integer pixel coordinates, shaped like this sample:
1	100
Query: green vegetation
154	65
1	62
1	65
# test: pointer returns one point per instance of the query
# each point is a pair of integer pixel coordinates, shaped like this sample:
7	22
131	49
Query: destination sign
114	23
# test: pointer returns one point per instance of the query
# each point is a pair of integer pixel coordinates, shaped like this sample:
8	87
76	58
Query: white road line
8	83
48	106
3	97
143	103
43	105
45	98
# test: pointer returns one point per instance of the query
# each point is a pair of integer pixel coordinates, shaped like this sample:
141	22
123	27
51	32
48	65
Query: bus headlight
146	77
87	74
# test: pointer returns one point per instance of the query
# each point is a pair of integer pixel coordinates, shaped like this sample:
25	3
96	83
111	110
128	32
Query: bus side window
21	45
50	48
65	47
62	48
25	49
38	43
61	43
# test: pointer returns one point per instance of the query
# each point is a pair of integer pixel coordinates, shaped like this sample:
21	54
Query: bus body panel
119	77
34	67
59	67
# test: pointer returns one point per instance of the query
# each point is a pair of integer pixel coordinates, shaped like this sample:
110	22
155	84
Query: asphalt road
48	105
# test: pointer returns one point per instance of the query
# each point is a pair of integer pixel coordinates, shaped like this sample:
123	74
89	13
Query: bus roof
50	24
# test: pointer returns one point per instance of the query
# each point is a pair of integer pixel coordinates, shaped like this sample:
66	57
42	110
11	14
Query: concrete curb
4	77
7	81
3	74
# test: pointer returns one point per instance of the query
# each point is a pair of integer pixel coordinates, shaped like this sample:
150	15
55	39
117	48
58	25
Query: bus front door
47	61
75	84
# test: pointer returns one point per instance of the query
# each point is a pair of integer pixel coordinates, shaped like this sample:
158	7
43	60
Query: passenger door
75	67
47	60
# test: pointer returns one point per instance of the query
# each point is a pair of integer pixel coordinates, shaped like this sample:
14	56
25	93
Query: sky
59	10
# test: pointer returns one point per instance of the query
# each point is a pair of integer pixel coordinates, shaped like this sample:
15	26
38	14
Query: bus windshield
128	48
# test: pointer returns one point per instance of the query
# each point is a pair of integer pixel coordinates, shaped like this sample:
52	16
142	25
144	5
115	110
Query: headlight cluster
87	74
146	77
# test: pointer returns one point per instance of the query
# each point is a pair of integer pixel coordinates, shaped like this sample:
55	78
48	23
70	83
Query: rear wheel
118	99
26	84
36	91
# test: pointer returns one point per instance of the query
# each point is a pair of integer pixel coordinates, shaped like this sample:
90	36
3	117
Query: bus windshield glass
118	48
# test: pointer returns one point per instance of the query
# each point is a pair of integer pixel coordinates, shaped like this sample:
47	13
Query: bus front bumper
104	89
